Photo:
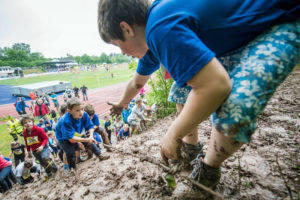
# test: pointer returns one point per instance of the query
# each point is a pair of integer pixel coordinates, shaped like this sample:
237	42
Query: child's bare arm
132	89
79	139
211	85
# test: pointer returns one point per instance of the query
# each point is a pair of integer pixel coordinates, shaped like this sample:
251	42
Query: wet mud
267	168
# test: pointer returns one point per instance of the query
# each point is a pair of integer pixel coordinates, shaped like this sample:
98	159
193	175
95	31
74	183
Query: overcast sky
53	27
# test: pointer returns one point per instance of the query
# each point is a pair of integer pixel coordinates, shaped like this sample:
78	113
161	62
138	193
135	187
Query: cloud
54	28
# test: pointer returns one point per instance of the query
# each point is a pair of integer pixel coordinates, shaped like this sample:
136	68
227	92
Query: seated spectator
48	124
41	124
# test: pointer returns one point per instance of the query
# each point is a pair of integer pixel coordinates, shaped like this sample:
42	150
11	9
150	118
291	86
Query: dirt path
252	173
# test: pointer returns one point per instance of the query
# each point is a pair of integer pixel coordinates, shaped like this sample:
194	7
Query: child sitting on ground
48	124
41	124
36	141
24	170
124	132
18	150
74	121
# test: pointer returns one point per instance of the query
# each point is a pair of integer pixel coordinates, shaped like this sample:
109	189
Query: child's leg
192	137
16	161
256	73
4	173
69	150
109	136
48	162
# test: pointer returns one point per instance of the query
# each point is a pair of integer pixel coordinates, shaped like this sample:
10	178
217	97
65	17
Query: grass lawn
92	80
6	139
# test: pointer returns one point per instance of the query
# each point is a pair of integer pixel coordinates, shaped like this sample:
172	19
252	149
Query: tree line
20	55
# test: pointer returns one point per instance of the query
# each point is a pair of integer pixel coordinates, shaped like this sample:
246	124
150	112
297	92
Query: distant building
6	71
59	65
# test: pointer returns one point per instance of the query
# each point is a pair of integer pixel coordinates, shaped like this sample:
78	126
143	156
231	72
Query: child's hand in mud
170	147
116	109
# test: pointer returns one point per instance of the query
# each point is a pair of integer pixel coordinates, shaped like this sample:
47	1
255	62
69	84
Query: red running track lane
97	97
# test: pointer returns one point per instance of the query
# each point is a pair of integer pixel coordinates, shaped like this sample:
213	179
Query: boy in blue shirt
234	54
58	135
125	114
124	132
89	109
73	123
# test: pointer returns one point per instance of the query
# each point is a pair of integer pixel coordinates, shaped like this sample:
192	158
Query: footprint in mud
131	174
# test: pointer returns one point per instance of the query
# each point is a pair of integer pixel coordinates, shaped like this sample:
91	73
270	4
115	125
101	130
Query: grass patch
6	139
92	80
31	71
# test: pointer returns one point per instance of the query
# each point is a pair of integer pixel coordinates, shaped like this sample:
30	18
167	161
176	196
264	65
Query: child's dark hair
13	144
89	109
25	117
63	108
28	163
112	12
73	102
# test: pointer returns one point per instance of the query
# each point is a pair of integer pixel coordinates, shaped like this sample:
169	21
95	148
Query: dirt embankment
252	173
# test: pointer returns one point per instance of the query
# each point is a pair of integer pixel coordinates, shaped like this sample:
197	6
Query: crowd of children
76	132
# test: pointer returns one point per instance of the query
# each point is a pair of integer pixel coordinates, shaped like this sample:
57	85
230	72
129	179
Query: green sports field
92	80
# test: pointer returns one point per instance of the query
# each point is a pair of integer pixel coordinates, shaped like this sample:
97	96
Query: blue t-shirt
72	127
49	128
54	98
125	114
184	35
107	126
123	133
95	120
58	132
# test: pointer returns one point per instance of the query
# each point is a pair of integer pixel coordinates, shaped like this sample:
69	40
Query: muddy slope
252	173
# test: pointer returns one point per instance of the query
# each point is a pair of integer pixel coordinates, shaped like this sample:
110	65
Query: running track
97	97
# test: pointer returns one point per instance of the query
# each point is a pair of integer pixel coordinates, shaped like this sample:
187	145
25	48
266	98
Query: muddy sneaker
188	152
80	159
204	174
103	157
108	149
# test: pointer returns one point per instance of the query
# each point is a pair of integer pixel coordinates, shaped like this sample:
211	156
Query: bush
159	93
